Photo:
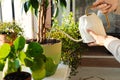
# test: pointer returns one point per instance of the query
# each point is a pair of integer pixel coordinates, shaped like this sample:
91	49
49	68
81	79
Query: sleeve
113	45
117	11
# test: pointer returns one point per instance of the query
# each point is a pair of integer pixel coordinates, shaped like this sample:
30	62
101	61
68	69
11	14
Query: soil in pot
18	76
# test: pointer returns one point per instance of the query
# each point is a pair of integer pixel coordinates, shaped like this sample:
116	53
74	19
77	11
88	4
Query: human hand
99	39
106	6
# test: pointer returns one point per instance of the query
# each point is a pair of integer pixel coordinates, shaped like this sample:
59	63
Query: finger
97	2
102	6
107	7
94	35
105	11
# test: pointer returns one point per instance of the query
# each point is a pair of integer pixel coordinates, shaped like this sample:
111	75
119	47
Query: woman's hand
99	39
106	6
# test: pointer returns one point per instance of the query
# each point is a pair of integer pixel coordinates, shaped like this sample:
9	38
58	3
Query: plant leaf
19	43
34	49
22	56
38	69
34	4
4	50
63	3
26	6
28	62
39	74
36	12
50	67
11	66
1	65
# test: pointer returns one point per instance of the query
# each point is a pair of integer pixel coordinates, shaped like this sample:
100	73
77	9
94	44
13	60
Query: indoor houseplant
9	31
71	50
14	57
39	8
52	47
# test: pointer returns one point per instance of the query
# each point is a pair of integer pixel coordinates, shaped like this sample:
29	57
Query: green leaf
63	3
22	56
36	12
1	65
50	67
39	74
4	50
36	60
38	69
16	63
11	65
34	49
19	43
34	4
28	62
32	61
26	6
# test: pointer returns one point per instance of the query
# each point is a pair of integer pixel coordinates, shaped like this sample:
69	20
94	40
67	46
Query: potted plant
14	57
9	31
71	49
39	8
52	47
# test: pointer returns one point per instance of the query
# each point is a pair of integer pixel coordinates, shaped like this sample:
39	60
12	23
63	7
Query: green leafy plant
39	7
11	30
12	58
71	50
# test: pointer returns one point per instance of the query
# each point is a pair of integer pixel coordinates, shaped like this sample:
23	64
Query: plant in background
13	57
71	50
11	30
40	9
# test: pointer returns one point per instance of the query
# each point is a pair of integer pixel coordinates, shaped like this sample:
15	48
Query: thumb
92	33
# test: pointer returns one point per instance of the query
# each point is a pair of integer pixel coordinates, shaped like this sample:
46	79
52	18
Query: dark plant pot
18	76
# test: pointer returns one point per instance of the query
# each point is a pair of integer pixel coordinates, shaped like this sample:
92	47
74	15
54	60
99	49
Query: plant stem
41	22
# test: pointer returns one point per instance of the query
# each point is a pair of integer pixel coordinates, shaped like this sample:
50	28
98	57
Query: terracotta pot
3	39
18	76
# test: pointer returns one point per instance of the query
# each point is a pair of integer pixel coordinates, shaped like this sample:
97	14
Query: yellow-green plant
11	30
71	50
13	57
